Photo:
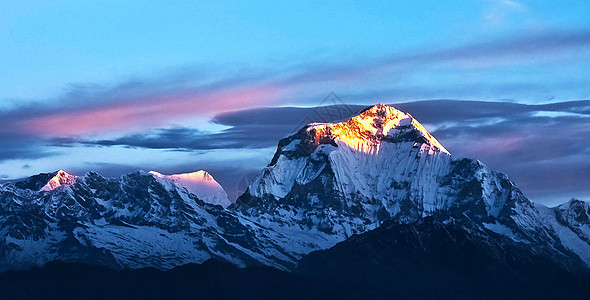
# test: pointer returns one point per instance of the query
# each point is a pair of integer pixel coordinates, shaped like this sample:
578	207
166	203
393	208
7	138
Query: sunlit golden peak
61	177
375	124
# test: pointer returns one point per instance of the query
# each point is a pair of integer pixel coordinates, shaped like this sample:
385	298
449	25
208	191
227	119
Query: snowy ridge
200	183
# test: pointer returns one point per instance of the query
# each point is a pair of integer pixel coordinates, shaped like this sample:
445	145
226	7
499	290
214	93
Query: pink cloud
148	112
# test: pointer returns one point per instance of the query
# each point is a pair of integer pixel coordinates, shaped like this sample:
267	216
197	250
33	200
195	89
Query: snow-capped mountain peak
61	178
376	124
199	183
369	155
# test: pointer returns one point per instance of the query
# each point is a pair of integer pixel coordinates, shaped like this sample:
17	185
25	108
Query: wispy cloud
144	104
500	10
148	112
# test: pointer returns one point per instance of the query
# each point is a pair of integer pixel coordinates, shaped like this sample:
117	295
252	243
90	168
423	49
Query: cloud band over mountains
148	112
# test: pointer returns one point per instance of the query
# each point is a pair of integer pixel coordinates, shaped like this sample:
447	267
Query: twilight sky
178	86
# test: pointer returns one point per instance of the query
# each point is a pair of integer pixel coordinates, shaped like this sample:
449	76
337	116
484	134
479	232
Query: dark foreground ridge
212	279
425	259
432	259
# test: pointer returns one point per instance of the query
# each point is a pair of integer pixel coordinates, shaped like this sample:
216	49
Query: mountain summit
60	178
372	127
46	181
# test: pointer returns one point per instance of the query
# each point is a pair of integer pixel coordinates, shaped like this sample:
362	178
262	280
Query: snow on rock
375	125
571	221
60	178
199	183
339	179
368	154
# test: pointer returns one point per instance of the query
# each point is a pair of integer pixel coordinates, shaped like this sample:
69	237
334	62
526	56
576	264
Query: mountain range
376	192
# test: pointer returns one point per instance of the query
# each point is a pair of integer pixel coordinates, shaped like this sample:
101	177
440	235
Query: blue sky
97	70
48	45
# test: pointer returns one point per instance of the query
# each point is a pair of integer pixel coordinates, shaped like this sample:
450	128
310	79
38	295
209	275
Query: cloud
15	147
500	50
150	111
104	169
153	102
183	138
137	103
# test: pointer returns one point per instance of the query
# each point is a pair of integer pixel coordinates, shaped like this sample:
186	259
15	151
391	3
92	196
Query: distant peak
199	183
575	202
200	175
60	178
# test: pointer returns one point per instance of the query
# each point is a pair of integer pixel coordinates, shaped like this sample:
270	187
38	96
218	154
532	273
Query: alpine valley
373	206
